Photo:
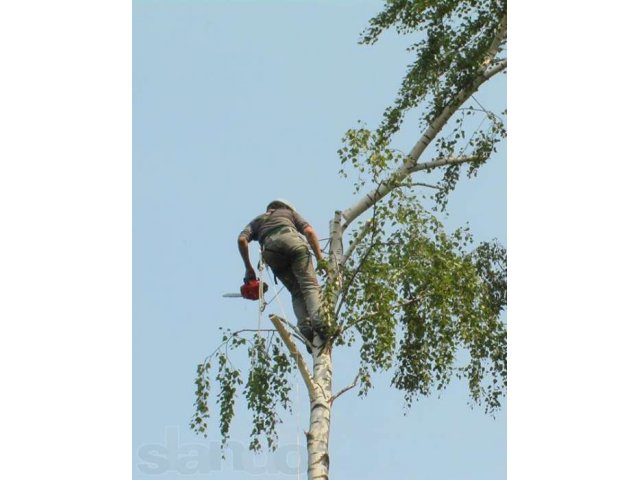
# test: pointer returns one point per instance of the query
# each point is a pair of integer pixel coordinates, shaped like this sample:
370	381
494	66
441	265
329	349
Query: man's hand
249	274
322	266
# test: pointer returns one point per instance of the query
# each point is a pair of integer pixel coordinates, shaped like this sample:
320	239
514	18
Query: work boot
307	333
322	332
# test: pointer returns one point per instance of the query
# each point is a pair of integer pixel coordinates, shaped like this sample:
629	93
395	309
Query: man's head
280	203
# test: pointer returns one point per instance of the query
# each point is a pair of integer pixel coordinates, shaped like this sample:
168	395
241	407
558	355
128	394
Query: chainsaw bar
232	295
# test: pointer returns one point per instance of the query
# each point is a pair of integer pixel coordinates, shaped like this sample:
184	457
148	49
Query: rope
275	296
261	303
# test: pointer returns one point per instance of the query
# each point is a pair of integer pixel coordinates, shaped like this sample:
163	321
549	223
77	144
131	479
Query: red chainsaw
249	290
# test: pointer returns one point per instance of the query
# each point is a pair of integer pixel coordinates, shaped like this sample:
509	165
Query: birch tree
401	292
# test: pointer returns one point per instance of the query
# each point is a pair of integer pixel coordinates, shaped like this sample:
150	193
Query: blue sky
234	104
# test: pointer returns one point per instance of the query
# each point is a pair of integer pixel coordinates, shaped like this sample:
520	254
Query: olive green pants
288	255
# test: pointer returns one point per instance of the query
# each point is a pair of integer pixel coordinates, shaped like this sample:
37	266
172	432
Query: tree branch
335	249
438	123
495	68
419	184
494	48
345	389
445	161
253	330
296	332
286	338
392	308
356	241
371	221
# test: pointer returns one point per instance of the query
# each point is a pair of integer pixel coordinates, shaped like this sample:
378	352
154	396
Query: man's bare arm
312	238
243	247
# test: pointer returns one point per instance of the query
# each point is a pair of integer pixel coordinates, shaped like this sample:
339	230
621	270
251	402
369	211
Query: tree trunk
320	417
320	395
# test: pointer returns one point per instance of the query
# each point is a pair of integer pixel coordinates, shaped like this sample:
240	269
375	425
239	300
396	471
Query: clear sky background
234	104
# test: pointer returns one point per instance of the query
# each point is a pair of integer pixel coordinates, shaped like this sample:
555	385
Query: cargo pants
287	253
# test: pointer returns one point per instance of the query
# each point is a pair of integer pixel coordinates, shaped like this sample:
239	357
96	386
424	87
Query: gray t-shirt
271	221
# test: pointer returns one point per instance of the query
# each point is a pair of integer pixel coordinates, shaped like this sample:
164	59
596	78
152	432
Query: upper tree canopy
427	304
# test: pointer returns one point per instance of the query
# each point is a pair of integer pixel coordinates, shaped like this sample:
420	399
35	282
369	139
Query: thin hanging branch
345	389
356	241
420	184
441	162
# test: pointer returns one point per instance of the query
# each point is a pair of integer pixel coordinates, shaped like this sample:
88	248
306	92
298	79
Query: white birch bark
320	401
320	417
321	398
291	346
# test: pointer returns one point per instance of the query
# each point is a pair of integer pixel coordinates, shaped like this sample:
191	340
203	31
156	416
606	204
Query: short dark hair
278	204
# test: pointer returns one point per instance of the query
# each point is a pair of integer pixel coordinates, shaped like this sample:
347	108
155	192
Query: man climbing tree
280	233
402	292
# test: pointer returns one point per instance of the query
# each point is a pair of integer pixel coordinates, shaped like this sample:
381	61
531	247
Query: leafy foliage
454	36
266	389
419	298
427	304
267	386
481	143
199	422
453	40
